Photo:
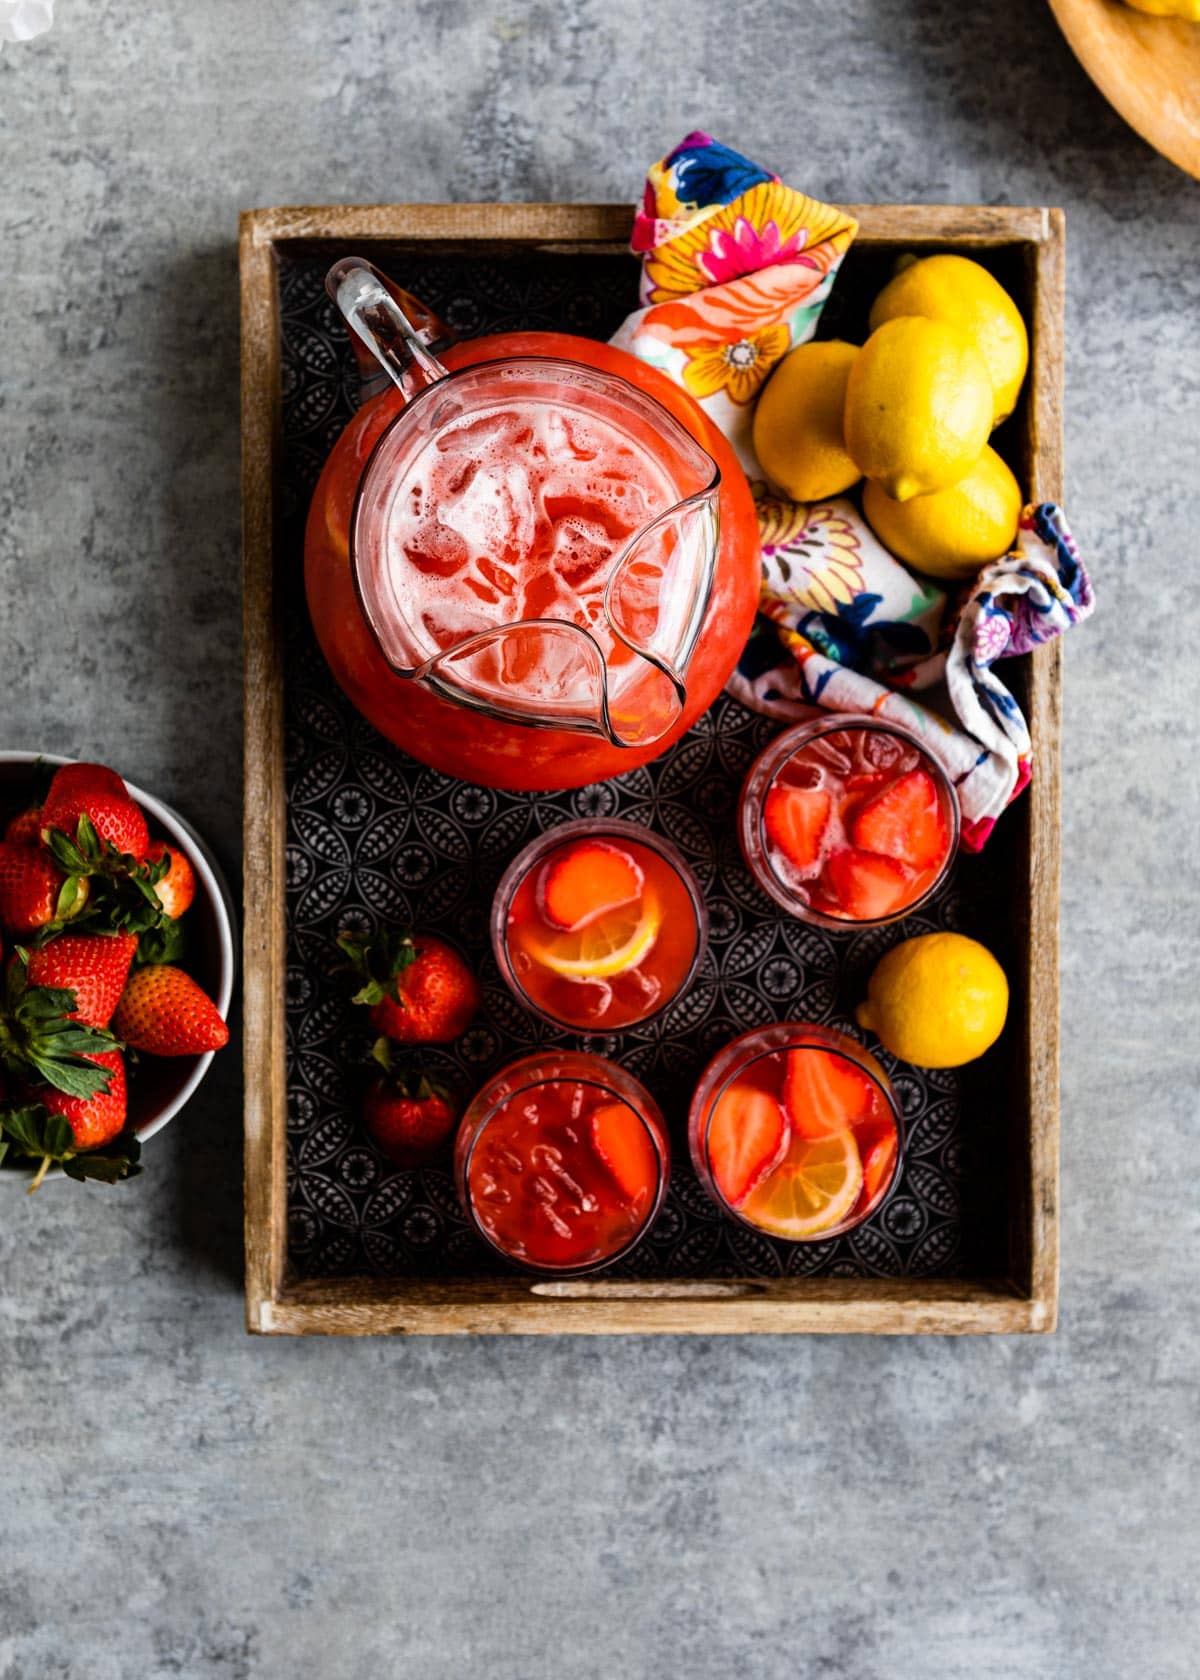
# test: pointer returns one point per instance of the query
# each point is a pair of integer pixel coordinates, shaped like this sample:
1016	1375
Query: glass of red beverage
561	1162
598	925
794	1131
848	820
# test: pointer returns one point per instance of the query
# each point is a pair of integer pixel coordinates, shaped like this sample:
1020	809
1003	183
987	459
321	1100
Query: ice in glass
598	925
515	515
562	1161
848	820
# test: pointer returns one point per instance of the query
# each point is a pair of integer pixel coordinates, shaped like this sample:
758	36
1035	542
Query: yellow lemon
954	532
963	294
1187	9
918	406
798	435
937	1001
612	945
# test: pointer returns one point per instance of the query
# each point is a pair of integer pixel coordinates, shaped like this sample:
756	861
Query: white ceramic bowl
160	1085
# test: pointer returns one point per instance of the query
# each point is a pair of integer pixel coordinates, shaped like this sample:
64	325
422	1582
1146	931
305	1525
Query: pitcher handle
361	295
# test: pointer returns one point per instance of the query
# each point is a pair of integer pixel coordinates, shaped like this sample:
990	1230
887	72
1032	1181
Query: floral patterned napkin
735	272
736	268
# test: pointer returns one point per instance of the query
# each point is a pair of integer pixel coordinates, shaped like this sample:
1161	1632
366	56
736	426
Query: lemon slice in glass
813	1189
605	948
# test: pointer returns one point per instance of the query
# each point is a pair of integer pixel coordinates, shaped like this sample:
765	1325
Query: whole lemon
918	406
963	294
937	1001
798	435
954	532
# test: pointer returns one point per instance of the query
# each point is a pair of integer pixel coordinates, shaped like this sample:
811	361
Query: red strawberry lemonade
543	509
794	1130
598	925
562	1162
848	820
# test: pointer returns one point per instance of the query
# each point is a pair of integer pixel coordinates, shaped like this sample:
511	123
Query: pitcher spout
554	675
656	602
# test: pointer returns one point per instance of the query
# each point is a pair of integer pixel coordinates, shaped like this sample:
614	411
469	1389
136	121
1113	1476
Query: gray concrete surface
177	1500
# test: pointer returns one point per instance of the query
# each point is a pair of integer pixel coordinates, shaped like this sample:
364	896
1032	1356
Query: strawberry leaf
71	897
34	1131
24	1129
38	1036
83	1079
119	1159
60	1139
37	1134
407	1077
65	852
164	944
122	896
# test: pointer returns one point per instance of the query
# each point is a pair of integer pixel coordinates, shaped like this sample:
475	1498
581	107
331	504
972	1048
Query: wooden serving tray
1009	1112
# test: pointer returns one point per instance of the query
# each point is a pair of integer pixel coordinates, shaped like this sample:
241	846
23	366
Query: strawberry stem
378	962
39	1175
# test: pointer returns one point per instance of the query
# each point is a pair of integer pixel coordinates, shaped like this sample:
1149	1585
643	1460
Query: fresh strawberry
163	1012
878	1146
122	891
867	886
903	821
408	1115
94	791
95	966
26	828
34	892
177	888
420	991
40	1041
586	879
93	1120
796	820
823	1093
747	1138
75	1131
622	1142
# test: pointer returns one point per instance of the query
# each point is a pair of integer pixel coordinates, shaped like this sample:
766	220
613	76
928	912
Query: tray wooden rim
275	1304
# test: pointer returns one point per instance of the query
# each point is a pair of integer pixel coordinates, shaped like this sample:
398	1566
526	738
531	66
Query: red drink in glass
598	925
562	1162
848	820
794	1130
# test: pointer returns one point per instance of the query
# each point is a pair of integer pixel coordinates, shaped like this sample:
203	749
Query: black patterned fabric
373	835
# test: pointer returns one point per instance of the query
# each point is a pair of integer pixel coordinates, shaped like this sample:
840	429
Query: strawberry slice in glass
903	821
747	1138
824	1094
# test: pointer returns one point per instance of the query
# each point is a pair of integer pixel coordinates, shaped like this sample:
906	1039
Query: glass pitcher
522	565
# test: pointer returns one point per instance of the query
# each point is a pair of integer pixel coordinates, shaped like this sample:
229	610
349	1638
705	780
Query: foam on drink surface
516	513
